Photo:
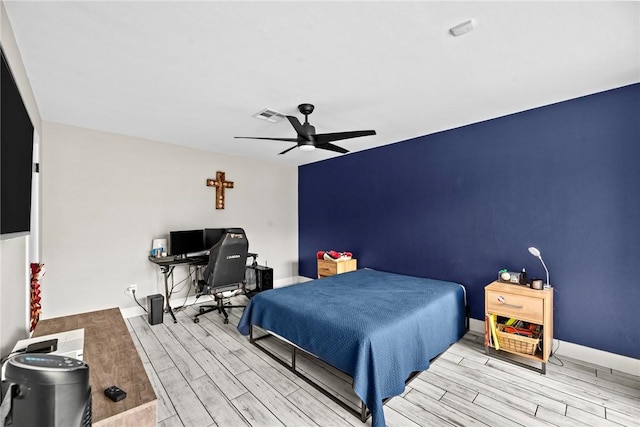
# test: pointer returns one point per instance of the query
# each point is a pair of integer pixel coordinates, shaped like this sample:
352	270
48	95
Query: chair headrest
238	231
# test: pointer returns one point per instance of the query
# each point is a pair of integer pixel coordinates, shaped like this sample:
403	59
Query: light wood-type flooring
207	374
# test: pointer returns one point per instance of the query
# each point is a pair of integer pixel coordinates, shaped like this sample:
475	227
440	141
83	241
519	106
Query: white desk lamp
536	253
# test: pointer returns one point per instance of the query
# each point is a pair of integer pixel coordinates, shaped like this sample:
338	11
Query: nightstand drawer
520	307
330	268
327	268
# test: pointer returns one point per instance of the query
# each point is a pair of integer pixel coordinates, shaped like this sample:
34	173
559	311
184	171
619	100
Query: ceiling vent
463	28
269	115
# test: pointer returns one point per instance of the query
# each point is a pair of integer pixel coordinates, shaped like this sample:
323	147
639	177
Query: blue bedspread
378	327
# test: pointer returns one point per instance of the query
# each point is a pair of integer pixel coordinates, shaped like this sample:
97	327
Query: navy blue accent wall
461	204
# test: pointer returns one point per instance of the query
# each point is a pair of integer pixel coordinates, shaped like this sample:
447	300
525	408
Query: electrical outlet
132	288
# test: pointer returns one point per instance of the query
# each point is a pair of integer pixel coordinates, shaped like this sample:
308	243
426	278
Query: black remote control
114	393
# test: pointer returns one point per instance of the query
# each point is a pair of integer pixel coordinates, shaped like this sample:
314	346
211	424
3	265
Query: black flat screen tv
16	158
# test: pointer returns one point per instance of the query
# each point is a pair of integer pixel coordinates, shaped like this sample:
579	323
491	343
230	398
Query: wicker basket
516	343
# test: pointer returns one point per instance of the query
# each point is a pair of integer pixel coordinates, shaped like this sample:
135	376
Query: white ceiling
193	73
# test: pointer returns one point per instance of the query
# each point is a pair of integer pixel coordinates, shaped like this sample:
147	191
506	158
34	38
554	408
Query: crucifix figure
220	183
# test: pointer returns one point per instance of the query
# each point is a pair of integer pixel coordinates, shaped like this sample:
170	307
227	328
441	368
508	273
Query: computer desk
168	263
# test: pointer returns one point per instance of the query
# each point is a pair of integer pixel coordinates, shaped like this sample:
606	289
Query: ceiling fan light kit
307	138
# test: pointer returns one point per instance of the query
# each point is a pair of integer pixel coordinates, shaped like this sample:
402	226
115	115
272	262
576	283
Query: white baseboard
614	361
603	358
476	326
294	280
131	312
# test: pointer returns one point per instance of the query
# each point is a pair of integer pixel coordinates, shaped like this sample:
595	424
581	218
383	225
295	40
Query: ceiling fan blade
289	149
322	138
270	139
331	147
298	127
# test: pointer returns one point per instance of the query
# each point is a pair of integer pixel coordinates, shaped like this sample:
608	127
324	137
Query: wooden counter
113	360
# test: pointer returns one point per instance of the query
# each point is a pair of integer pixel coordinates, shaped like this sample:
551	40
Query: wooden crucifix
220	183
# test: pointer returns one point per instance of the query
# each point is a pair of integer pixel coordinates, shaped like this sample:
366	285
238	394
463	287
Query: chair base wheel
196	320
226	321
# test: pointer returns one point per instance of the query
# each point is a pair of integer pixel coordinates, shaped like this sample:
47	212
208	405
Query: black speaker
155	308
264	277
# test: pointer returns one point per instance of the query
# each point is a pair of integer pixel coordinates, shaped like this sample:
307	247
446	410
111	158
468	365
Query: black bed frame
364	412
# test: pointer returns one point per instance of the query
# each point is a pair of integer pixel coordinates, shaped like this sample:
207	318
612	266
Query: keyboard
180	259
201	258
197	254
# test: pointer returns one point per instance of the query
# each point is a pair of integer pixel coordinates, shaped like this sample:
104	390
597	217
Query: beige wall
106	196
14	261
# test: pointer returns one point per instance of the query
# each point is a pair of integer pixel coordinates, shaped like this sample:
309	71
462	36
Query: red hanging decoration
37	271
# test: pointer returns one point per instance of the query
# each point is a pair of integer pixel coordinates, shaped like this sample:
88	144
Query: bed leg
293	358
251	334
363	412
468	317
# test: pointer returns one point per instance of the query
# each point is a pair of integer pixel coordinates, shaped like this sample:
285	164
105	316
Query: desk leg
168	309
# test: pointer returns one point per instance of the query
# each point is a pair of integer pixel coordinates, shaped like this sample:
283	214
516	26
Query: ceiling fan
308	139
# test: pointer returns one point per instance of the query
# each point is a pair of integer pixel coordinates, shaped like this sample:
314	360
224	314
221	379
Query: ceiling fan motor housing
306	109
309	129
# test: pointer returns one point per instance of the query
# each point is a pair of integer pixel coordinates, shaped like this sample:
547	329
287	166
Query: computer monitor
186	242
212	236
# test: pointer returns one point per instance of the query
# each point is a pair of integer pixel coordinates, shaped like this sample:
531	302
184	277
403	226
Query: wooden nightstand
329	268
526	304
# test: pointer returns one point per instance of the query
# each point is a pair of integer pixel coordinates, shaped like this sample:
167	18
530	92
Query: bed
377	327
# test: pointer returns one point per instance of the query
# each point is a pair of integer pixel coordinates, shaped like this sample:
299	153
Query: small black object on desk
114	393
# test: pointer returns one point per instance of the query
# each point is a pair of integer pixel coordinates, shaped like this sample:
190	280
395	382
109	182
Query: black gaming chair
224	275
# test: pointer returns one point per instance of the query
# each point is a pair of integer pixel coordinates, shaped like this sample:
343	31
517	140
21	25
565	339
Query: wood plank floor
207	374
